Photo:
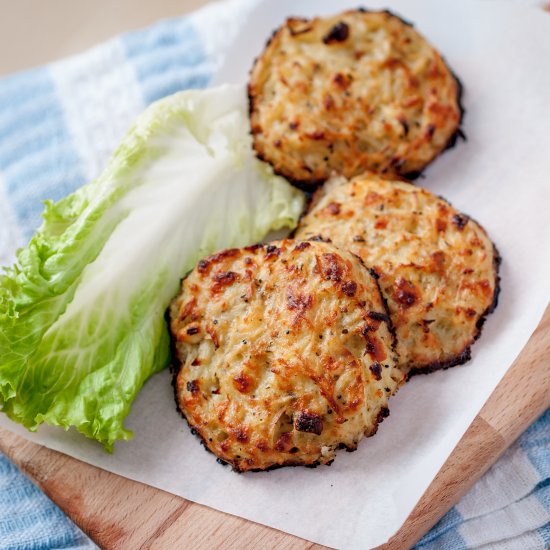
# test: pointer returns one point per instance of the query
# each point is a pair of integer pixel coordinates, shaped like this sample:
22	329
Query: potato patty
353	92
437	268
285	353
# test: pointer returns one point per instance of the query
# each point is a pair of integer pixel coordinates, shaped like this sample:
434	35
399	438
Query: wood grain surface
122	514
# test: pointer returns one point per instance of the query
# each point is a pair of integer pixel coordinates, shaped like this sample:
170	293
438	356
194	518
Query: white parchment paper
501	177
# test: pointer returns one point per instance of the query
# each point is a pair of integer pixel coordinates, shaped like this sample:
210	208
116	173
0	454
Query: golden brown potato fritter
438	269
285	353
353	92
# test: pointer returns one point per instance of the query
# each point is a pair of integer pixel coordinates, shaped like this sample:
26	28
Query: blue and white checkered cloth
58	126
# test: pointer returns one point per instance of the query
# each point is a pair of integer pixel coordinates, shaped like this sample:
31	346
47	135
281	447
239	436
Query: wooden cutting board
121	514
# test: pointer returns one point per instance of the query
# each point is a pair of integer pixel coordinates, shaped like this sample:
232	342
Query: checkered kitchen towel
58	126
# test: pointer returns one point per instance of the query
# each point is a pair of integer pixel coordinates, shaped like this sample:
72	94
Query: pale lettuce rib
82	313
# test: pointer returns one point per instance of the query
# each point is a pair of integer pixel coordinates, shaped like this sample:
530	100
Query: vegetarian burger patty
353	92
438	269
285	353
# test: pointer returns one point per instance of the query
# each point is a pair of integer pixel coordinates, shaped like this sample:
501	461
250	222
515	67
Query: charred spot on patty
222	279
319	238
331	267
297	301
460	220
302	246
338	33
310	422
242	382
384	413
193	386
377	316
376	369
349	288
284	442
405	293
334	208
272	251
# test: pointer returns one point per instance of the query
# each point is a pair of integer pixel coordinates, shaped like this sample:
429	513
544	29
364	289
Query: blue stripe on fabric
40	134
535	442
451	540
544	534
157	88
18	117
167	58
28	519
165	34
26	86
27	101
38	178
444	534
542	494
37	158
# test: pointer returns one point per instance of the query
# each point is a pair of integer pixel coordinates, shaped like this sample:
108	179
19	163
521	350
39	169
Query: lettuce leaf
82	312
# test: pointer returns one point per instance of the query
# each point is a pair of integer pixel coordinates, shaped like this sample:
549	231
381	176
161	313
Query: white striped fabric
511	482
100	96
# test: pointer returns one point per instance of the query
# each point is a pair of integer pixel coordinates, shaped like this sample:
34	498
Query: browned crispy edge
312	184
175	367
466	354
